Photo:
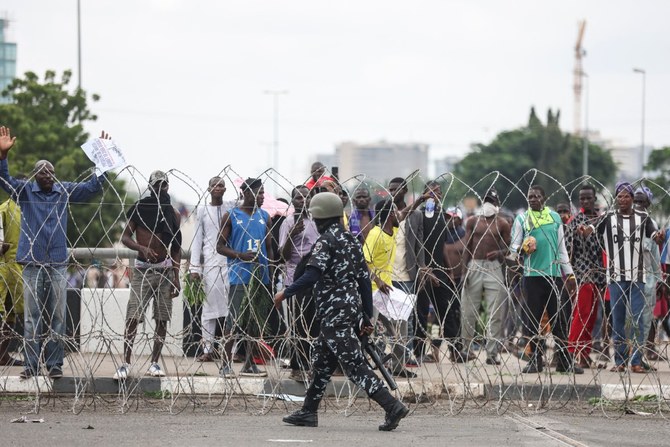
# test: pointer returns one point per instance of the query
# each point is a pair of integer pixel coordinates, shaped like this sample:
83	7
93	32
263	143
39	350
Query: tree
659	181
535	154
47	119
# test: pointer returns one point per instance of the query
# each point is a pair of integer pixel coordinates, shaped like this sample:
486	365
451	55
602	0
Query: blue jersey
248	233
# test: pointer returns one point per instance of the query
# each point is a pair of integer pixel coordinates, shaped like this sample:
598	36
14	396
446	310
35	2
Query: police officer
343	295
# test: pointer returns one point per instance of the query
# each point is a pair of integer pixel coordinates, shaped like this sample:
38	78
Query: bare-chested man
486	240
360	219
154	223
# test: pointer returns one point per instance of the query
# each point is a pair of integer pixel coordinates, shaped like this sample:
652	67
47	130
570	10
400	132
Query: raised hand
105	136
6	140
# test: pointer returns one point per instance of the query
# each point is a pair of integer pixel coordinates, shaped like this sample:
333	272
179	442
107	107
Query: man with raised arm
42	250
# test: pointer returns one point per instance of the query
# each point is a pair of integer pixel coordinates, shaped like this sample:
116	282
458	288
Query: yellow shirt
379	251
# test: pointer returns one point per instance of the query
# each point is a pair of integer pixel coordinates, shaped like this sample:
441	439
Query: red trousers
584	316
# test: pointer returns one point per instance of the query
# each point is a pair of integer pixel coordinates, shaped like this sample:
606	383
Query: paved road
152	425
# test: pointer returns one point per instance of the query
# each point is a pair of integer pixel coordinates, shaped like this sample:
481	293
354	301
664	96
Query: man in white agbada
210	267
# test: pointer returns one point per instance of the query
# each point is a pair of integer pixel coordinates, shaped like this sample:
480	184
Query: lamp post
644	86
275	140
585	136
79	43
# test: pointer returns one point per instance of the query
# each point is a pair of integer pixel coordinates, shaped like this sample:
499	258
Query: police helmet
325	205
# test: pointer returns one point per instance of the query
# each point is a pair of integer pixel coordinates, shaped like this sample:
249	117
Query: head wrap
646	191
624	186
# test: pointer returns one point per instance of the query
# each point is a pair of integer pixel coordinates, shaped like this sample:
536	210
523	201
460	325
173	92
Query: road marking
289	440
546	431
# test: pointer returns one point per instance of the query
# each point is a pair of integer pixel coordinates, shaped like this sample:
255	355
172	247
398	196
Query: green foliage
160	394
47	119
536	154
194	292
659	180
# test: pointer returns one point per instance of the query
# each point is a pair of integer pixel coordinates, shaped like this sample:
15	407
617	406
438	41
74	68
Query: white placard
396	305
105	154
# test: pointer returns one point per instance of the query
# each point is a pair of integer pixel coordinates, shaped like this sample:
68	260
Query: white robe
212	267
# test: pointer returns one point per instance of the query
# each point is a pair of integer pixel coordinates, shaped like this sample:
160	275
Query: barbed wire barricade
471	336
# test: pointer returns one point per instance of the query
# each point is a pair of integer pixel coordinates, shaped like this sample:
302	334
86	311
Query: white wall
103	313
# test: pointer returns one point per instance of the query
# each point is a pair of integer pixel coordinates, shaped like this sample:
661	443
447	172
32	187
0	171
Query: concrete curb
339	387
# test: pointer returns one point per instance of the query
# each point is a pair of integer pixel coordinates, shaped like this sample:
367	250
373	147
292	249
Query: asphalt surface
149	423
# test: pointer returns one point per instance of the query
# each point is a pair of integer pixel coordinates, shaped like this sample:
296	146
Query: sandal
638	369
619	368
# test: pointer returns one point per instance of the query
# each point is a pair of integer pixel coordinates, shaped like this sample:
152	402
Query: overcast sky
182	82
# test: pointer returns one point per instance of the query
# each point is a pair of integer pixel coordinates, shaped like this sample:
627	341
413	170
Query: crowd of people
425	279
447	284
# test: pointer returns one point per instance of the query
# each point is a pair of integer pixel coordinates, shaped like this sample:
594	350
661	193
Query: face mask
488	209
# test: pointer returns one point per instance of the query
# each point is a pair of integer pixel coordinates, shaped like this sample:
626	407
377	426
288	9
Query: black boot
535	365
307	416
395	410
303	418
566	362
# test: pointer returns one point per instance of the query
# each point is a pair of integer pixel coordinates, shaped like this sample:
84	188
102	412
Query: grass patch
599	401
645	398
161	394
200	374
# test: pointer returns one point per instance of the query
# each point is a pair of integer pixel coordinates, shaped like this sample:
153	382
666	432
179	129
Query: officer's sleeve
365	289
321	256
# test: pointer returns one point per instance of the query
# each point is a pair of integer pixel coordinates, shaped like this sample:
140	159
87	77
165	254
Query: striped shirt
623	237
44	215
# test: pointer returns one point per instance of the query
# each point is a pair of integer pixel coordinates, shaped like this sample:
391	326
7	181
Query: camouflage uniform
339	257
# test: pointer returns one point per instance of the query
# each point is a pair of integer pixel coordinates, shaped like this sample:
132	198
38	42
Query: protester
586	259
623	231
11	281
297	235
317	175
42	251
153	232
208	266
487	240
245	239
379	250
361	217
653	275
538	233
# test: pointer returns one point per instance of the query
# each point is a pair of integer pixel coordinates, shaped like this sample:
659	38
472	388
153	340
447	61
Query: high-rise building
381	161
7	58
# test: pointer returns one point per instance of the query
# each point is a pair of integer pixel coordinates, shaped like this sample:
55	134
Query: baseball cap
455	211
492	196
157	177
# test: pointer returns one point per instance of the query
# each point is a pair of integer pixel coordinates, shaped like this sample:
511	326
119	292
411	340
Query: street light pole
644	87
275	140
79	43
585	136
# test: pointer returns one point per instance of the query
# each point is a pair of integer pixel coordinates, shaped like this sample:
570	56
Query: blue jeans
44	293
627	298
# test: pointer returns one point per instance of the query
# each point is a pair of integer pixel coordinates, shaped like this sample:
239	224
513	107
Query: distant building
627	158
445	165
7	58
381	161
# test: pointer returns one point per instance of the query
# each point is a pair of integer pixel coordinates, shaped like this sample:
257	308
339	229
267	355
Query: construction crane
578	76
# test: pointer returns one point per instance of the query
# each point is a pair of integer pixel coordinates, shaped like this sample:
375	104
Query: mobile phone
335	171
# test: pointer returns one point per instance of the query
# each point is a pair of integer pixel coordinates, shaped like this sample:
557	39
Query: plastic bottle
280	282
429	210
